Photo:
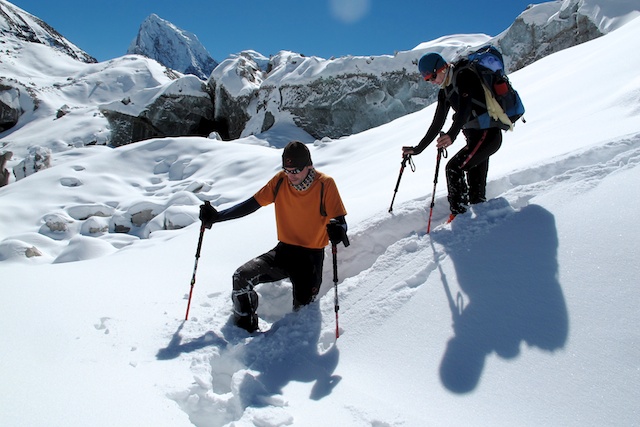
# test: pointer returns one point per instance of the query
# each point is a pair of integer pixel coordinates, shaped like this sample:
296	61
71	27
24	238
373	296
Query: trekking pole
405	158
442	152
195	267
334	251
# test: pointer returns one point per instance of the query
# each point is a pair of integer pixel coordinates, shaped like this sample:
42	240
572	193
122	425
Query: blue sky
323	28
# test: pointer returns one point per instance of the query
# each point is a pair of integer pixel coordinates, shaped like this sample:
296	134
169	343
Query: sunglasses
292	171
430	77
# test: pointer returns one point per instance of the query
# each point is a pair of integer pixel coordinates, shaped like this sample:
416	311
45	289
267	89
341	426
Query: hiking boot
477	200
457	207
245	304
248	323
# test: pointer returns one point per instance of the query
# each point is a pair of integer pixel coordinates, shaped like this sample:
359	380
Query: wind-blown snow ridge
588	166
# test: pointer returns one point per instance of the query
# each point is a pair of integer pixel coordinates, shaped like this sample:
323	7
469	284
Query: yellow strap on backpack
494	109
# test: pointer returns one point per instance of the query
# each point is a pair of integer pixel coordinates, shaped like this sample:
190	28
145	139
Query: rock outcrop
180	108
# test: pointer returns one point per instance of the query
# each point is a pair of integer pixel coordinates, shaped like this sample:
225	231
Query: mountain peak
173	47
19	24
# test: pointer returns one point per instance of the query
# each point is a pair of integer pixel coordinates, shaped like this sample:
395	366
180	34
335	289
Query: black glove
208	214
337	232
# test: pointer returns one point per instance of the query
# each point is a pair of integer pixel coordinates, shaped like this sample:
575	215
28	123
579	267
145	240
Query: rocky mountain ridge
352	94
133	98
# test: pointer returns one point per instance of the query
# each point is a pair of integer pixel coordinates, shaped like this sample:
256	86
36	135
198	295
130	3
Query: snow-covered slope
46	82
521	312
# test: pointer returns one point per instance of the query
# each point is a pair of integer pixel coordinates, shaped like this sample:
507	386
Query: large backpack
503	104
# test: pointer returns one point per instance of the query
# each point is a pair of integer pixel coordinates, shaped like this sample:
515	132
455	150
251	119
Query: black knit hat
296	156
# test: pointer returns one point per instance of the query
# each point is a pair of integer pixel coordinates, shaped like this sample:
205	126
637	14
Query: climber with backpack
309	213
484	105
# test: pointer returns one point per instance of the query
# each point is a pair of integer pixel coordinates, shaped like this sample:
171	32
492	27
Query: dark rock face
524	43
175	112
10	110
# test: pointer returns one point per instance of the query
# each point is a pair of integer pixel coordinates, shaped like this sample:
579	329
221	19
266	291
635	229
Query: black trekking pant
303	266
467	170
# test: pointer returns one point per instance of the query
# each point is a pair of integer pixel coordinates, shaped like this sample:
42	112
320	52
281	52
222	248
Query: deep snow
521	312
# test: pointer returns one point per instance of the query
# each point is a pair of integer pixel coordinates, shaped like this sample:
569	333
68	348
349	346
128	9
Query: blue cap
430	63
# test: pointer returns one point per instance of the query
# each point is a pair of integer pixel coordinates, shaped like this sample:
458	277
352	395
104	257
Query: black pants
467	170
302	266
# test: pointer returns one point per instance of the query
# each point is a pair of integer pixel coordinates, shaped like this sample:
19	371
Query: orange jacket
299	220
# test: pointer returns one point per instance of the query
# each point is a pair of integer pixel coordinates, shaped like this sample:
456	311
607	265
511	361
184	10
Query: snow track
398	242
240	378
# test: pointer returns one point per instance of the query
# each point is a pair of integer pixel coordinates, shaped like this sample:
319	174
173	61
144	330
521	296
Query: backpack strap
323	211
275	190
463	64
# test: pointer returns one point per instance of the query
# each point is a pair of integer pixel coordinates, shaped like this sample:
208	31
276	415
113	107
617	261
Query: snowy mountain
521	312
15	22
342	96
173	47
249	94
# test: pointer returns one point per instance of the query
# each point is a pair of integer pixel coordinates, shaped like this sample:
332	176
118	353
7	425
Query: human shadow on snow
287	352
256	367
177	347
510	276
